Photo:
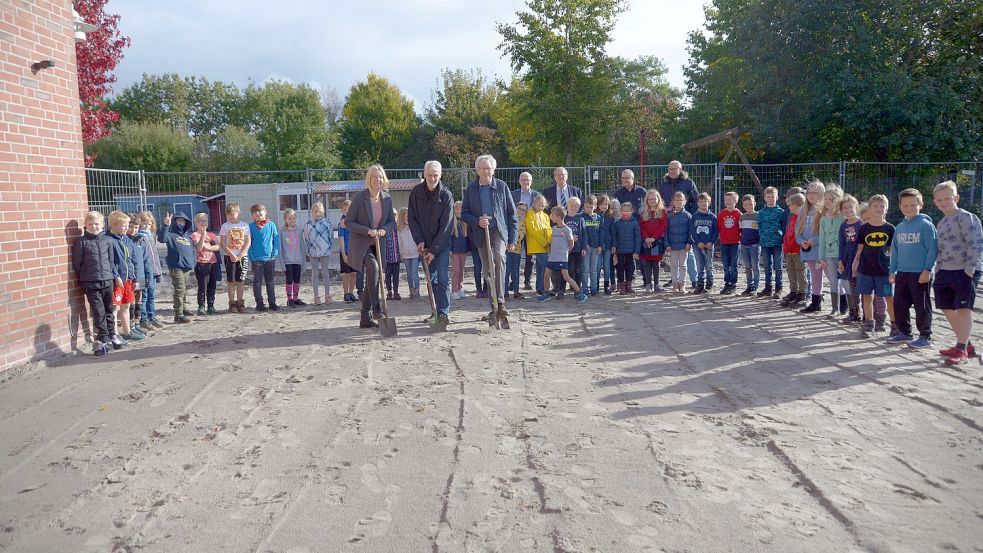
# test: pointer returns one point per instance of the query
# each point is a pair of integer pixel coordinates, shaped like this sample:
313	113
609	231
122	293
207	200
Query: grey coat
359	222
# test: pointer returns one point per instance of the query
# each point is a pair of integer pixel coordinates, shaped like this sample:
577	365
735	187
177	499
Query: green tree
233	148
460	118
288	121
148	146
557	49
889	80
644	100
377	123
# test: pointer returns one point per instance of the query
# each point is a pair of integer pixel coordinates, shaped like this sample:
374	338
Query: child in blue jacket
678	241
703	234
626	243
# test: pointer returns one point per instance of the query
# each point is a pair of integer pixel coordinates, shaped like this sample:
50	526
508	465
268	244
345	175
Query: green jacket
829	236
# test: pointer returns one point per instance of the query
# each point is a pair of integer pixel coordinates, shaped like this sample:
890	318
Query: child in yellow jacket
539	234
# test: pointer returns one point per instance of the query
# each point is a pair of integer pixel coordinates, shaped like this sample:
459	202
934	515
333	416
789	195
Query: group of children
875	272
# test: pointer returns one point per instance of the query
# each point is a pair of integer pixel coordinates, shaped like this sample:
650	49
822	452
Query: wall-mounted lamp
81	27
44	64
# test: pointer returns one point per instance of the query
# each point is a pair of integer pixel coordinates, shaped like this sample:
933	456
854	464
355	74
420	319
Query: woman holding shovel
430	221
370	217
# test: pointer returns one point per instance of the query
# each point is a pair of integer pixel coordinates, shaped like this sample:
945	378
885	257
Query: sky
337	43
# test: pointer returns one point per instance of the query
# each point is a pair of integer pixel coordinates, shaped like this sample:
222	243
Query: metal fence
128	190
109	190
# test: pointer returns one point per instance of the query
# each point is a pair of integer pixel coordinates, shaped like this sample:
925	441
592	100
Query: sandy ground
658	423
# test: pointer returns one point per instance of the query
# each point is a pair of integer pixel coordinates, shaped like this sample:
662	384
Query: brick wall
42	181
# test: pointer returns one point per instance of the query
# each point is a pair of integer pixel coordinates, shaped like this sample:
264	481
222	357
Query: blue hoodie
592	229
607	227
703	228
576	224
180	250
264	243
914	247
123	256
677	234
626	236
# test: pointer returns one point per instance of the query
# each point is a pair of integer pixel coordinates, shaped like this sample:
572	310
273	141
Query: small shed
164	203
216	211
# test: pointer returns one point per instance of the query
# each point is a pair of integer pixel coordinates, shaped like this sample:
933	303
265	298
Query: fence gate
109	190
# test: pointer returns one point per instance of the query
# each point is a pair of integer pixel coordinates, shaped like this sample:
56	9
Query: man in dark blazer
526	195
560	193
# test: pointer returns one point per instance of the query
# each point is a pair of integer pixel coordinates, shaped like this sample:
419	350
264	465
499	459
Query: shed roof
326	187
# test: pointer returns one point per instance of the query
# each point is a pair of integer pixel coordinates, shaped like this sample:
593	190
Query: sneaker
211	310
648	288
136	330
317	300
131	337
920	343
778	294
290	303
850	319
544	297
260	308
182	319
581	297
299	302
517	296
147	325
101	348
201	310
766	293
658	289
158	324
899	339
396	296
118	343
528	286
957	358
867	330
747	291
274	307
970	351
441	324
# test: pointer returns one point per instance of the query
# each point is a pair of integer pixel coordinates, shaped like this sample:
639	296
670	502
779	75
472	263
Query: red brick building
42	181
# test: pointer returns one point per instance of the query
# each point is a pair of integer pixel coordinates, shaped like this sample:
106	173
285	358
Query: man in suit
526	195
488	208
560	193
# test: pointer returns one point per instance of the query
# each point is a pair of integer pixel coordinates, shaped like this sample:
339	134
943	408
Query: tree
288	120
233	148
557	49
377	123
890	80
148	146
460	118
644	100
97	58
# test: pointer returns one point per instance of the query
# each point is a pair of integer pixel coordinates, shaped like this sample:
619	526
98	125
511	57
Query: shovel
434	318
493	278
387	325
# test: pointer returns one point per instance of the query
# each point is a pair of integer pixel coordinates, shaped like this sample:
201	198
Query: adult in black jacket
677	180
430	212
629	192
560	193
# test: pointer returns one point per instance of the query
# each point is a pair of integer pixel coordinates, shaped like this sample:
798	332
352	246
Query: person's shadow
44	347
79	322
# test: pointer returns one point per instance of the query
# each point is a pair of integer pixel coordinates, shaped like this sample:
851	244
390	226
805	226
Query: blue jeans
750	255
148	302
439	279
773	262
591	270
730	253
704	264
512	262
412	272
479	281
606	266
691	266
540	270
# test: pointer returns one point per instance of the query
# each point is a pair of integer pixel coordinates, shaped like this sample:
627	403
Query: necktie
563	197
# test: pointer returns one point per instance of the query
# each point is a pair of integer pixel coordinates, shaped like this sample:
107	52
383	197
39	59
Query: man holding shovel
488	208
430	218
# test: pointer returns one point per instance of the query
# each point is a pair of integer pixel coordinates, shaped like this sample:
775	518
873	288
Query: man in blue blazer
526	195
488	207
560	193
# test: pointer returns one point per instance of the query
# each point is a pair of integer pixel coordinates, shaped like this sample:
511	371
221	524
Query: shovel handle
426	273
381	293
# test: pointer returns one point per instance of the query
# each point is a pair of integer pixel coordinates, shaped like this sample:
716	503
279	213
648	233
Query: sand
658	423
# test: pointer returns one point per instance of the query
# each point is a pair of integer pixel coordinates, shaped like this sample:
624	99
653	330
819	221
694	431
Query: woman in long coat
370	215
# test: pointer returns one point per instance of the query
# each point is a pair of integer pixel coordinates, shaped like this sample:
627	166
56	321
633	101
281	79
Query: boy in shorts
871	265
560	247
234	242
960	243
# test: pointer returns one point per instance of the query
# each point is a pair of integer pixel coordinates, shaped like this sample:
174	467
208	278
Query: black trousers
625	268
207	275
263	271
101	305
392	277
291	272
527	269
370	295
650	272
909	293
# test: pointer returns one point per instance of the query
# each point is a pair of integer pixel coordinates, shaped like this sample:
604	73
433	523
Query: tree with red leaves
97	57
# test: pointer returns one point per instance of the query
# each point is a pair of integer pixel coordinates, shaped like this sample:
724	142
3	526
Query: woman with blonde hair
370	217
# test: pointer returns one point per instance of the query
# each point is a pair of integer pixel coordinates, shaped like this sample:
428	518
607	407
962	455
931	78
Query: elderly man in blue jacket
677	180
488	207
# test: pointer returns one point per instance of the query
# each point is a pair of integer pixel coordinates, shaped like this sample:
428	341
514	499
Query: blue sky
337	43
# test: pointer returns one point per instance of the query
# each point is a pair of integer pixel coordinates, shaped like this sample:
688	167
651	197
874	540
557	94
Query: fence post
143	191
308	172
842	175
717	188
587	181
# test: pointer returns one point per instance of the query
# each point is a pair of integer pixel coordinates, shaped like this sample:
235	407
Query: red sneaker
957	358
949	352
